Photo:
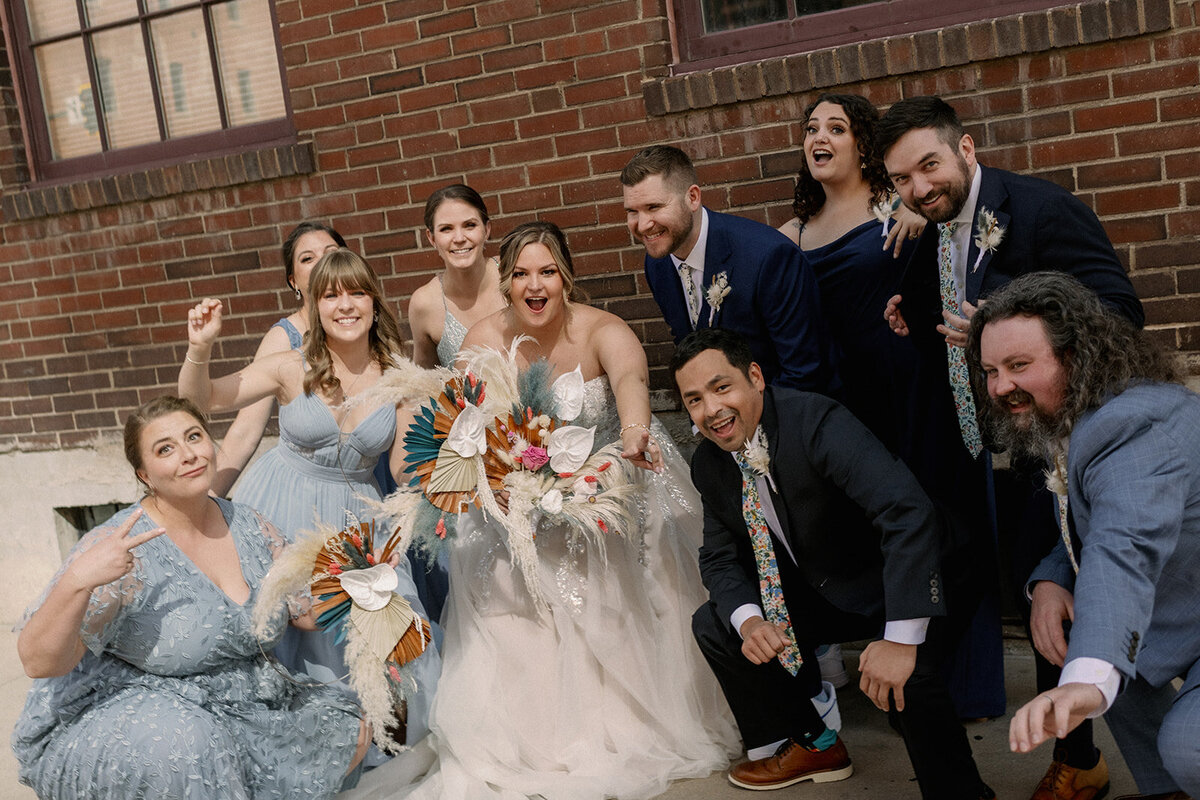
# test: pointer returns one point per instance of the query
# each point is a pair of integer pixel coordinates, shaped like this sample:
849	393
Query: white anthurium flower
468	434
583	489
552	502
568	394
370	588
569	447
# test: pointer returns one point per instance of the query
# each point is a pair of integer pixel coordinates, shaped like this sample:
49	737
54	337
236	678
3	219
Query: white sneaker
827	706
833	668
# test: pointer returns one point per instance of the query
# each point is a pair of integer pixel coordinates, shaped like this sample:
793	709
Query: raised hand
111	556
204	322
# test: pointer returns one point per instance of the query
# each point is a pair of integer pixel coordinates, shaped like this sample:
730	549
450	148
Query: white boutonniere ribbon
884	209
716	294
989	236
758	457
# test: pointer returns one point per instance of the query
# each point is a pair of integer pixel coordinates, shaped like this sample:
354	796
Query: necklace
347	390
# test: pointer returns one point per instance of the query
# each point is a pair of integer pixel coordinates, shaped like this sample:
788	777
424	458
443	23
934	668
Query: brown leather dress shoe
792	763
1063	782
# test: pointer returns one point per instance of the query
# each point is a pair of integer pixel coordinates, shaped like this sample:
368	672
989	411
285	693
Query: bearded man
1069	381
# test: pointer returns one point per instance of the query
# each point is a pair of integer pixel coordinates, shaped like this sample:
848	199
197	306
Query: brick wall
538	104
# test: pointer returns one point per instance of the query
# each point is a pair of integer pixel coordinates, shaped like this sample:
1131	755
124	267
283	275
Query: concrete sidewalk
881	768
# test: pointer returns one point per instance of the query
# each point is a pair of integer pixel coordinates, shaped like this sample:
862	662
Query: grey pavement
881	768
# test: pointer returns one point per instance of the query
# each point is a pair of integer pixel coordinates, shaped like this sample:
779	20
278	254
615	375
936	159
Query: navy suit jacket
1046	228
773	301
1133	478
864	534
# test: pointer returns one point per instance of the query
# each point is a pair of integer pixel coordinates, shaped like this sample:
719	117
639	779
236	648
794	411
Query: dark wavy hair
345	269
733	345
918	112
288	251
455	191
810	194
1103	353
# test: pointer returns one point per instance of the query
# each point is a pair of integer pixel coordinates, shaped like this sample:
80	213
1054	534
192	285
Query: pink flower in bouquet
534	458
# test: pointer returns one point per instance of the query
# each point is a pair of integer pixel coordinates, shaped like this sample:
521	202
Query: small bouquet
496	429
354	601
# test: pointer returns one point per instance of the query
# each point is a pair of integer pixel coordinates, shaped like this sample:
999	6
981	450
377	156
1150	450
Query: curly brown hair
810	194
345	269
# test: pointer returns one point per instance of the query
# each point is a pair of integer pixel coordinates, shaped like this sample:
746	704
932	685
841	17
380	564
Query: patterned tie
956	359
769	585
689	289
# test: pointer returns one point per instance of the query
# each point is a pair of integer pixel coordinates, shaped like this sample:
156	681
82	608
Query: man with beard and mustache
1072	383
814	532
707	269
992	226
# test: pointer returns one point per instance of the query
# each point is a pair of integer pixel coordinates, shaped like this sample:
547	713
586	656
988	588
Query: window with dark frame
107	85
717	33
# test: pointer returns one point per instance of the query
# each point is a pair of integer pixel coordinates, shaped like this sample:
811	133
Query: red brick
1077	149
389	35
487	134
559	170
1107	56
1139	229
1069	92
510	57
358	19
1115	115
502	108
447	23
453	69
543	28
483	39
1160	138
585	142
1178	107
545	75
533	198
333	48
488	86
428	144
1183	223
594	91
1120	173
1132	201
1156	79
426	97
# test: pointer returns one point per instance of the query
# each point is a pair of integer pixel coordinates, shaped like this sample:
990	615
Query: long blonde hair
345	269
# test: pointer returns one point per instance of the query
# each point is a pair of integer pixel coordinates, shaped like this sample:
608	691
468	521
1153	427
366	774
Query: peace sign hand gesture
111	557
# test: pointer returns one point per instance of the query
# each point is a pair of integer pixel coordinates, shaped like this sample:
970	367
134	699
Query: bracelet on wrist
186	357
646	428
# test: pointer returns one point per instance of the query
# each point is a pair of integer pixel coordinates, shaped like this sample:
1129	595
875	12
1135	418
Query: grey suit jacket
1134	486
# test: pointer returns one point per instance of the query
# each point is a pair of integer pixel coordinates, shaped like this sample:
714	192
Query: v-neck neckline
196	567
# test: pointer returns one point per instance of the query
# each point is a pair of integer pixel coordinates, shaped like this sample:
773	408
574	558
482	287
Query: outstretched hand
639	448
886	667
1053	714
204	322
111	556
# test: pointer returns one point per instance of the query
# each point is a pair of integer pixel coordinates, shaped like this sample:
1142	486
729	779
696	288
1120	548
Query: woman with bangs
329	444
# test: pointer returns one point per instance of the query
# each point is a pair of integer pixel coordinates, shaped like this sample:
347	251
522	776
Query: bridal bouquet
353	599
500	429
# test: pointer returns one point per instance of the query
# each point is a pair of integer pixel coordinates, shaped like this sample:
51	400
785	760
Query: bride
591	686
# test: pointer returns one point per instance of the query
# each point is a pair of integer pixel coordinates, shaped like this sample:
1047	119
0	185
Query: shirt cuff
906	631
1098	673
741	614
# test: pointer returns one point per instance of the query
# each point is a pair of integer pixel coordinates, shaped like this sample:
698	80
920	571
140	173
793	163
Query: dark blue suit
773	301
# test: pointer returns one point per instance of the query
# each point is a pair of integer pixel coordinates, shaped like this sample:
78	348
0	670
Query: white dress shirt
695	259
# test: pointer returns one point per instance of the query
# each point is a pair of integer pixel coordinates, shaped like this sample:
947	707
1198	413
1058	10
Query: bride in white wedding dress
593	686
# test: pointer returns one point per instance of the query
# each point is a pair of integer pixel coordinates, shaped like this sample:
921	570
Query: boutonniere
884	209
716	294
990	235
758	457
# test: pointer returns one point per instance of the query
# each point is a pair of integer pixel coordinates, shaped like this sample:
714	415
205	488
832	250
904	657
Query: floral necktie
689	290
769	585
956	360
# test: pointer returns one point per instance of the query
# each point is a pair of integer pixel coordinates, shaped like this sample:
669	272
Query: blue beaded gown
318	473
881	375
173	697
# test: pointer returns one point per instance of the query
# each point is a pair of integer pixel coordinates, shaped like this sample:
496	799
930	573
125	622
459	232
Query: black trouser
769	704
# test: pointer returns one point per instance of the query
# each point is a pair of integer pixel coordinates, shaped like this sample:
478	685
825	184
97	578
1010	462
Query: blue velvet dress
174	697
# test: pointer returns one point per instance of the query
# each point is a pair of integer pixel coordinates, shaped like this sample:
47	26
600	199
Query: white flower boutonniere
716	294
990	235
884	209
758	457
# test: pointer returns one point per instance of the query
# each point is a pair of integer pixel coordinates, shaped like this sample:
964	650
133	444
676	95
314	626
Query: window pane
124	76
51	17
248	61
724	15
67	99
101	12
185	76
817	6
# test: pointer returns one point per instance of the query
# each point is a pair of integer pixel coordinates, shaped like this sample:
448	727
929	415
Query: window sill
1030	32
161	181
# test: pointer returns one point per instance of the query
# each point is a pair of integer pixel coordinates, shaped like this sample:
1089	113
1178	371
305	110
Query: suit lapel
994	197
668	290
717	253
770	423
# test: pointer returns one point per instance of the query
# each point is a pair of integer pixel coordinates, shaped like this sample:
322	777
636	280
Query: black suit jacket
1046	228
864	534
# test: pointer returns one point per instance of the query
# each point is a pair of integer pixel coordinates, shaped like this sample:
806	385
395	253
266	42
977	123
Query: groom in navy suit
1068	382
707	269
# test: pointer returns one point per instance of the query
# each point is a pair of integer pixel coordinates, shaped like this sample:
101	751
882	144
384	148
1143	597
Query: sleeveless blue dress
317	473
174	697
